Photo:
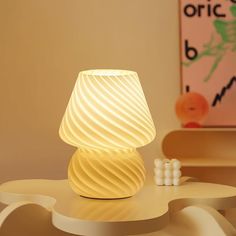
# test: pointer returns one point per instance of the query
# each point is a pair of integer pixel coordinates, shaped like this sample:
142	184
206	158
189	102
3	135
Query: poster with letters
208	56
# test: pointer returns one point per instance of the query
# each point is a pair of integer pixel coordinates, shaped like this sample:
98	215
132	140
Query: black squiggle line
218	96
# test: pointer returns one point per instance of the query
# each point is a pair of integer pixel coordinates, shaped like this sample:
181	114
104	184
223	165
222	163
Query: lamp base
106	174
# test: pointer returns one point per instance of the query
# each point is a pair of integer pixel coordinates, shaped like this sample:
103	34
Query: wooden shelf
207	162
205	147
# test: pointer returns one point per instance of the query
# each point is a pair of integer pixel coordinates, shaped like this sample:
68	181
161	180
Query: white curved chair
197	221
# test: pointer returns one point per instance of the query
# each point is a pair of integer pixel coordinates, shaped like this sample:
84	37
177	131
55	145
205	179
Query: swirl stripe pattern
108	176
107	110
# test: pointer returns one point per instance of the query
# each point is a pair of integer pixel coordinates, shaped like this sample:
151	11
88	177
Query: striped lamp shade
107	110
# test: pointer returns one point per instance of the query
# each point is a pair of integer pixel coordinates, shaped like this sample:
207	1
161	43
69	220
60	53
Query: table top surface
149	209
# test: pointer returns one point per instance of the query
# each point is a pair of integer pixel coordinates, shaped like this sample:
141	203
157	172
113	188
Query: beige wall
43	46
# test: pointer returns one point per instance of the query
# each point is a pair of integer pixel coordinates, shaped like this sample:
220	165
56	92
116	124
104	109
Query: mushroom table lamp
107	118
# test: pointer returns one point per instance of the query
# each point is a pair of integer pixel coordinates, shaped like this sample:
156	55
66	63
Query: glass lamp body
107	118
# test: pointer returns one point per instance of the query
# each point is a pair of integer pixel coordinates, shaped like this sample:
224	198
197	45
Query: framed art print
208	56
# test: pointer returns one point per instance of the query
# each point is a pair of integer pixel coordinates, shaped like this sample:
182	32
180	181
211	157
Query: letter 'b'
190	52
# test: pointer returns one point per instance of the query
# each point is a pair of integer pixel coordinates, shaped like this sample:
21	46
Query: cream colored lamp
107	118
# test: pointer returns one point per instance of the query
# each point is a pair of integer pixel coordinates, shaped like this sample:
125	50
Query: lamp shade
107	110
